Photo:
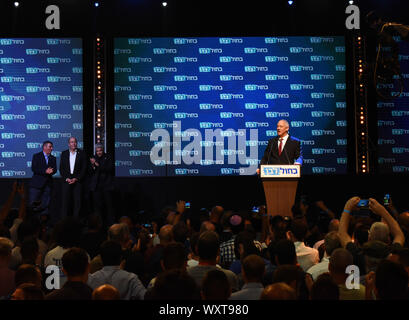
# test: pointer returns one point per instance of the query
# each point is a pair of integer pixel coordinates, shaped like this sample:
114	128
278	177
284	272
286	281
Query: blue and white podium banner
280	171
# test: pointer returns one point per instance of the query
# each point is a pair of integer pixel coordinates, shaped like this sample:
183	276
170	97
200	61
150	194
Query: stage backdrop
40	99
393	119
208	106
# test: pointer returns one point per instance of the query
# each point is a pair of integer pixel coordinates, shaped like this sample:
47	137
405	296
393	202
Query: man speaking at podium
282	149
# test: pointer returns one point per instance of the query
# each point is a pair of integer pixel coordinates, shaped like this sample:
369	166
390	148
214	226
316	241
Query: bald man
105	292
278	291
283	149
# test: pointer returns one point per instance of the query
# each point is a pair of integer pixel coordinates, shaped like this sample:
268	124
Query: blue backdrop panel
40	99
243	84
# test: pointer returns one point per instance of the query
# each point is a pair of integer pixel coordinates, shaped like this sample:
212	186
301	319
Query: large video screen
40	99
208	106
393	118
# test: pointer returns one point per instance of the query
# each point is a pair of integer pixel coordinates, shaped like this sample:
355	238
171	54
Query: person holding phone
44	166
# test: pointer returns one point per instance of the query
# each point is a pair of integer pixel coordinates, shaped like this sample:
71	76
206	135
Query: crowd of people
217	254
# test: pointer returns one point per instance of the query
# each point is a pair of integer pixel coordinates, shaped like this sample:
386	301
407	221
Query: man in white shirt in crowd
306	256
331	243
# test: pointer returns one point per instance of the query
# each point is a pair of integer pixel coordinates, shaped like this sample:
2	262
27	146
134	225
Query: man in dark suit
101	183
44	166
282	149
73	167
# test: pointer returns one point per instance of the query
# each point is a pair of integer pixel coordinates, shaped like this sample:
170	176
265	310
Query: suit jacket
102	175
291	152
38	166
80	167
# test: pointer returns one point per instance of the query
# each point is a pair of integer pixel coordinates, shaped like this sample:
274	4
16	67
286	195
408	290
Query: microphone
286	155
269	154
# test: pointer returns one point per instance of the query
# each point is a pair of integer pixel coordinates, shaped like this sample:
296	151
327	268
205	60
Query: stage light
351	2
96	4
290	2
16	4
164	3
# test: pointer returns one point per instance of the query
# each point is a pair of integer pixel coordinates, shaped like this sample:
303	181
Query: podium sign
280	186
280	171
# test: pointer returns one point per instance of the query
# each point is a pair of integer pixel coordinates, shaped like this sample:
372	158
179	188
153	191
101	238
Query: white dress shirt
284	141
306	256
73	156
318	269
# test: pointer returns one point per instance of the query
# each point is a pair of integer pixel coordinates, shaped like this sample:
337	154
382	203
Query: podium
280	187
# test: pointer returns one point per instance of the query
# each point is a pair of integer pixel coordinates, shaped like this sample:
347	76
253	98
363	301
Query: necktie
280	147
46	159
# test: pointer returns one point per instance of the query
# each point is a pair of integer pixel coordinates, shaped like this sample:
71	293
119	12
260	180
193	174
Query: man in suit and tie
283	149
44	166
73	167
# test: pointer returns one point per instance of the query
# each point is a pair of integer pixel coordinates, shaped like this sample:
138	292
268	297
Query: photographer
346	241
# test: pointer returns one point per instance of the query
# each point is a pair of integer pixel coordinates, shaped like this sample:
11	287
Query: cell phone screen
363	203
386	199
187	205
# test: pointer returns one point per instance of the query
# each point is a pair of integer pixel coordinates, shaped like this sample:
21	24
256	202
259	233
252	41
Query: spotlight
16	4
290	2
351	2
96	4
164	3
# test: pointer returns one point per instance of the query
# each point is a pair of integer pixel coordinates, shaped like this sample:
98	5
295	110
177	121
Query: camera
363	204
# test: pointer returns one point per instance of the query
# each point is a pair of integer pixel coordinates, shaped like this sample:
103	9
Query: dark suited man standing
283	149
73	167
44	166
102	184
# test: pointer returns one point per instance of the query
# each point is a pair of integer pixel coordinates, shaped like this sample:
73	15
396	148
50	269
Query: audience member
227	256
118	233
127	283
7	285
175	284
306	256
338	263
67	234
28	291
389	282
208	249
324	288
106	292
75	265
278	291
331	242
28	273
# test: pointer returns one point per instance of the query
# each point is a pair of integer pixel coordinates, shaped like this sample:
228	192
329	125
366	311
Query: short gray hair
286	122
